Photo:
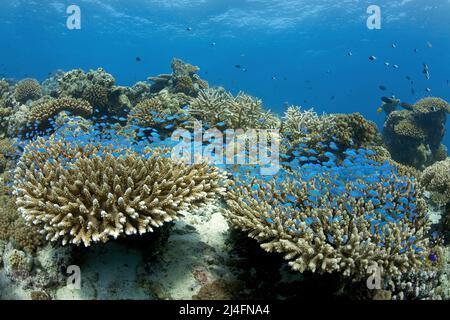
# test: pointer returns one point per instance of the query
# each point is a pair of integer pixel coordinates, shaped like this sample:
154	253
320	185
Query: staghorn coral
27	89
436	179
88	193
44	111
414	136
216	106
337	218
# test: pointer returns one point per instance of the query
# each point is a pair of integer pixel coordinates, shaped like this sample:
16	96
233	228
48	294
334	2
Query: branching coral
93	190
216	106
44	111
27	89
337	218
328	132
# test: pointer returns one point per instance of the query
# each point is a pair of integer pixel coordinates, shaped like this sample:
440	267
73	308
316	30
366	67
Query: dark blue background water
295	51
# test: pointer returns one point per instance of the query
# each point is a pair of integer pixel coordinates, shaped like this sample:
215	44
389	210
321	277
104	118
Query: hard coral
87	193
336	218
215	106
182	80
163	109
436	179
414	136
44	111
13	228
319	132
27	89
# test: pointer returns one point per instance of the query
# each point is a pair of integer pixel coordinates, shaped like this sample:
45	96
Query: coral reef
88	192
27	89
13	228
42	112
182	80
325	133
337	219
436	179
414	136
162	110
8	153
215	106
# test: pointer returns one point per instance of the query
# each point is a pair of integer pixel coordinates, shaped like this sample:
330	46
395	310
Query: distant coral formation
160	111
216	106
182	80
27	89
85	193
414	136
333	133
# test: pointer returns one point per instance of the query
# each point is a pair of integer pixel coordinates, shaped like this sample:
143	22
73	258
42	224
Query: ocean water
303	44
320	54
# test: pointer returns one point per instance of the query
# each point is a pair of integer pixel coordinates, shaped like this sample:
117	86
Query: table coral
27	89
329	218
82	187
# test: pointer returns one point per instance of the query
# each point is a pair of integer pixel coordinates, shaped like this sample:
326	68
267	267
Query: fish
213	44
188	29
395	66
349	53
428	90
372	58
382	87
380	110
413	92
407	106
138	59
426	71
387	64
429	44
238	66
394	46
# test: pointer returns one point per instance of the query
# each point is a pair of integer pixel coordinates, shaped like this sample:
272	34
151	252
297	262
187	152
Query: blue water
295	51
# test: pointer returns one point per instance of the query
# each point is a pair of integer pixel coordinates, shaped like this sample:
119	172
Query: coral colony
84	162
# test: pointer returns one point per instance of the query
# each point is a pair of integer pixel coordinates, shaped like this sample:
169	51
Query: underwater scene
245	150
